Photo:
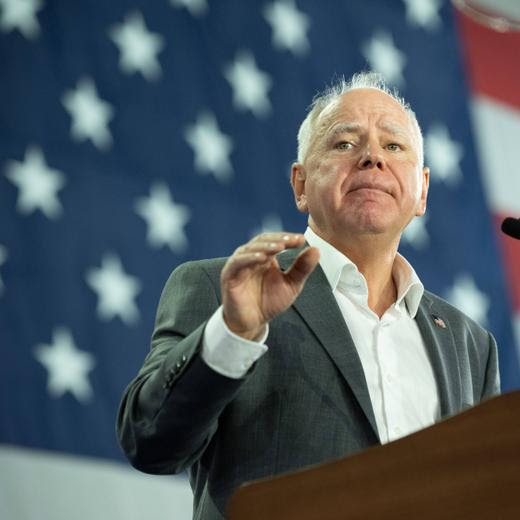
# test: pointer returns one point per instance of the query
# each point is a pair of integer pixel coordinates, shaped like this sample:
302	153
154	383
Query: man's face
362	173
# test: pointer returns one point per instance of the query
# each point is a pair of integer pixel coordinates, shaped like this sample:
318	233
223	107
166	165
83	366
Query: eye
394	147
344	145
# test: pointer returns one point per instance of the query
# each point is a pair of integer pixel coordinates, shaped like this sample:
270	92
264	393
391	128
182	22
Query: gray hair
331	94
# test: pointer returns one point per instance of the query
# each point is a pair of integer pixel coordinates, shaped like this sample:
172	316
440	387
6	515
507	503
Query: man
285	355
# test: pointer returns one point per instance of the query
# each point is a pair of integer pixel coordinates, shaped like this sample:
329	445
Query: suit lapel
319	310
440	344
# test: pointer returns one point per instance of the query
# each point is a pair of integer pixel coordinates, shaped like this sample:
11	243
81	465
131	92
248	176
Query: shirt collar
337	266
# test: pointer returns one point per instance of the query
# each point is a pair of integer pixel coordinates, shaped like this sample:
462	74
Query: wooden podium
465	467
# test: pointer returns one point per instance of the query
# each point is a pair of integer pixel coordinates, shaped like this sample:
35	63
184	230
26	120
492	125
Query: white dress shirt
397	369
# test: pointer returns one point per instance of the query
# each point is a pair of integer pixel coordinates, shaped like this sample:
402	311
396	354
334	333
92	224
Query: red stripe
492	60
511	256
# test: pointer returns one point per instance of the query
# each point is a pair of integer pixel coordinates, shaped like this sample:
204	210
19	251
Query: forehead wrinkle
341	128
394	129
345	128
353	127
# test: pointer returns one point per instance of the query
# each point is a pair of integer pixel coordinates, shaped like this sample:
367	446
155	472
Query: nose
370	158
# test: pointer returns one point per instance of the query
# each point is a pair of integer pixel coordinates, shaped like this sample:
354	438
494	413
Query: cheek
329	181
331	176
417	186
412	187
411	182
327	189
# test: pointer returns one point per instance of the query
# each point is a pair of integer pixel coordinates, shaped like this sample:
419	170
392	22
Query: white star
289	26
3	258
138	47
90	114
271	222
115	289
443	155
195	7
67	366
416	234
21	15
467	297
384	57
250	84
164	218
423	13
37	184
211	147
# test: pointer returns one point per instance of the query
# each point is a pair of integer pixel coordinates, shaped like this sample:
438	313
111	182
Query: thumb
303	266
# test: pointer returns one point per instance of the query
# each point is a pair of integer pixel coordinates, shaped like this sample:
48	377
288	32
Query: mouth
370	188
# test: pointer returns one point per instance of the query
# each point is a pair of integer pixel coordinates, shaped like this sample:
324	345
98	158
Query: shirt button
388	378
397	430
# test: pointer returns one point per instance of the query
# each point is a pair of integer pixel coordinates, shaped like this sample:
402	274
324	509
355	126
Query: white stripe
37	485
508	8
497	131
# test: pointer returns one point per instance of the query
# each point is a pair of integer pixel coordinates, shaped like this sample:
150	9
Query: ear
424	191
298	178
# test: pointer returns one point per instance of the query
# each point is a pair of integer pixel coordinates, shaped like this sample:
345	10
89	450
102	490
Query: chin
371	230
368	223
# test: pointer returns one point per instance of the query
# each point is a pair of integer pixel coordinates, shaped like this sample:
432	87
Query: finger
243	261
271	243
289	239
269	248
303	266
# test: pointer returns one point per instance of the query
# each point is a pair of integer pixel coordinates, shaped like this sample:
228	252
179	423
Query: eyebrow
348	128
344	128
394	129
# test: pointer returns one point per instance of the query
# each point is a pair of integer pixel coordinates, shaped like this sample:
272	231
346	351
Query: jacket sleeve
170	411
491	386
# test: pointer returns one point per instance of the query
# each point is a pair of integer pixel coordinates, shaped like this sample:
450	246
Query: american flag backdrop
138	135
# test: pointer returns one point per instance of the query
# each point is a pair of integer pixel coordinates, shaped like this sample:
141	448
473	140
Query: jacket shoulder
445	309
192	271
210	265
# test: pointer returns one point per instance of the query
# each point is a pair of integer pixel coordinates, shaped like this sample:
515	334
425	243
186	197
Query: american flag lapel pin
438	321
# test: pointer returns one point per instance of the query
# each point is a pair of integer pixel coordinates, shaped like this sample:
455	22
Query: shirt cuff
225	352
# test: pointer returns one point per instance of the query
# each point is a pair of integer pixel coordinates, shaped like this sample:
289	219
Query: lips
369	186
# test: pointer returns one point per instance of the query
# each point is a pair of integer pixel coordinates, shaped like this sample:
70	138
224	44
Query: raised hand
254	289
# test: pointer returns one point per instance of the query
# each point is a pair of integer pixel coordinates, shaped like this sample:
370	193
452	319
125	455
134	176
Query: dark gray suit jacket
305	401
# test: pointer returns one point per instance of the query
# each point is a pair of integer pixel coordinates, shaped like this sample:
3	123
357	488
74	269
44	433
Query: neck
374	256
